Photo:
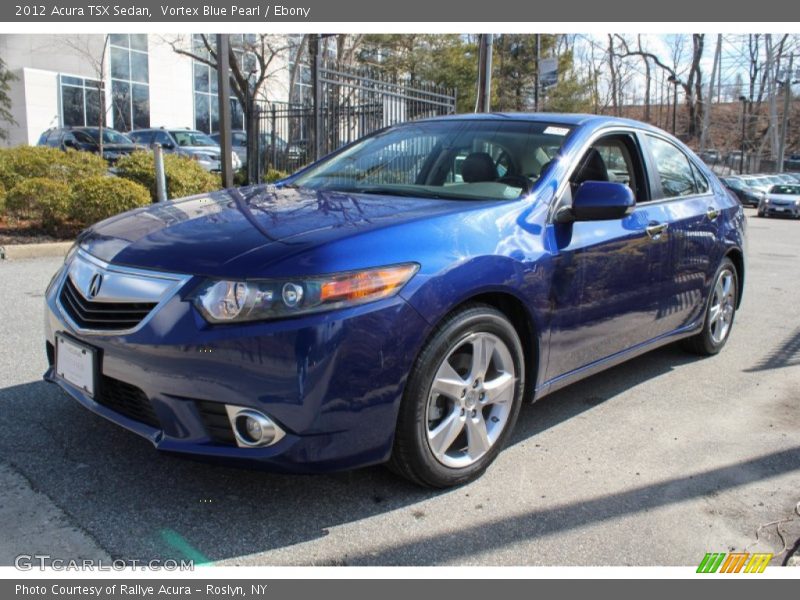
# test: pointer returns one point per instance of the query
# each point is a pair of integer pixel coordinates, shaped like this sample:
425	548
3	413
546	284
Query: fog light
251	428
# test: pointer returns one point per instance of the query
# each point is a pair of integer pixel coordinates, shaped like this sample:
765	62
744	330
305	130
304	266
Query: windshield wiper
392	191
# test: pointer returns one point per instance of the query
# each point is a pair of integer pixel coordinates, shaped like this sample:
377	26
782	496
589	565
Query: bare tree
648	79
707	108
253	63
613	75
691	82
83	46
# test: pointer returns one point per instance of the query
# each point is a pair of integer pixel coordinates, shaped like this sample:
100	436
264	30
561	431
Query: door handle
655	230
712	213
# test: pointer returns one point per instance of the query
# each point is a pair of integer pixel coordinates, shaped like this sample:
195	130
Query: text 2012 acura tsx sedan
398	300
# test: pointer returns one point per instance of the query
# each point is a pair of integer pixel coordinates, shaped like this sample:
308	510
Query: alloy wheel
723	301
470	400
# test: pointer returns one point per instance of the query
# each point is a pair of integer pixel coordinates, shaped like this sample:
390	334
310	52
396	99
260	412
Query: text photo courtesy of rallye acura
398	300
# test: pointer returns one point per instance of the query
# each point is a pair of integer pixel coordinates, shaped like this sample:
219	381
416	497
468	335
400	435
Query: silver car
195	144
781	200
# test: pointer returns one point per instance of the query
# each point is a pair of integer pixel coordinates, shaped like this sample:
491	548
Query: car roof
571	119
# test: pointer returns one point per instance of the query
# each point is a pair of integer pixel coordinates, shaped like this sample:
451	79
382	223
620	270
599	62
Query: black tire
412	456
704	343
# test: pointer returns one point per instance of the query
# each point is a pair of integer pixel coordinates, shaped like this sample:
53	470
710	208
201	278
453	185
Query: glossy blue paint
594	293
602	200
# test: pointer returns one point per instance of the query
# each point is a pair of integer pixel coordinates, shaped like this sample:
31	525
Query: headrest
478	166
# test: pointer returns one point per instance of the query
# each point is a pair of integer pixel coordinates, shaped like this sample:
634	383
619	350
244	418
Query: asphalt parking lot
655	462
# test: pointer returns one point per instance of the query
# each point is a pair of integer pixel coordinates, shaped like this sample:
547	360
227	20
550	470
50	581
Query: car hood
202	149
241	232
783	197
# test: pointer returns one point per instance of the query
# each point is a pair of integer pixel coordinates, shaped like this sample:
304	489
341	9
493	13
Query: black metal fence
345	106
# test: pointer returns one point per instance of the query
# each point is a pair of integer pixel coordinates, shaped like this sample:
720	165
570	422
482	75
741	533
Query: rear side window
674	169
141	137
54	139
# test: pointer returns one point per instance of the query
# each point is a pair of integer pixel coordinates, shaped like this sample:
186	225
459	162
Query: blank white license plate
75	363
778	209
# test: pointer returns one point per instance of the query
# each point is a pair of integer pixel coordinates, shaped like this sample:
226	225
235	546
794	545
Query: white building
146	83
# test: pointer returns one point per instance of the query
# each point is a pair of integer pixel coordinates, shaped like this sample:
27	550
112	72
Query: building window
81	101
301	92
130	77
206	98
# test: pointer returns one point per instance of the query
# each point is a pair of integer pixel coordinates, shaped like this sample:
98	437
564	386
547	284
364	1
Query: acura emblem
94	285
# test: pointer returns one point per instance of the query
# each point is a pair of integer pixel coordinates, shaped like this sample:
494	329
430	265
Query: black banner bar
466	11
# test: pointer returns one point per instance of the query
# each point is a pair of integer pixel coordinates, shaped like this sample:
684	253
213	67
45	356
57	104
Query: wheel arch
736	256
517	313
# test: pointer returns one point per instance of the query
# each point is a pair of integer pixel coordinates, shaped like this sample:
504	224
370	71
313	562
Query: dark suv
87	139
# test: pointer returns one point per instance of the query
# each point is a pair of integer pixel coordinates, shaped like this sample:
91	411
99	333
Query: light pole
787	82
744	101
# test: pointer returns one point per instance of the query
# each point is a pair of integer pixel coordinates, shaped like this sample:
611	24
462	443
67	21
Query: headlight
71	252
222	301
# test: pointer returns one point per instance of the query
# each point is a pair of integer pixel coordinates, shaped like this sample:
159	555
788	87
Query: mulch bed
16	231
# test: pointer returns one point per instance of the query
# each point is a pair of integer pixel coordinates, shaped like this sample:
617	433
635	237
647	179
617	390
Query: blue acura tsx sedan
398	300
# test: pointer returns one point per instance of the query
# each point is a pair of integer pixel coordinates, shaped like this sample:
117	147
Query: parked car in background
747	196
298	154
239	145
710	156
373	307
782	201
733	159
87	139
792	162
195	144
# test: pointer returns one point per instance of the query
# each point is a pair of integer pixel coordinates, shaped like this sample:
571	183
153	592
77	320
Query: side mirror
598	201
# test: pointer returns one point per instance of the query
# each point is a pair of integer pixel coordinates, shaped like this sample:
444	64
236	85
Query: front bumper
332	381
773	210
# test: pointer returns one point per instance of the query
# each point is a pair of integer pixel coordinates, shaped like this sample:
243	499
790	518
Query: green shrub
2	199
42	200
184	176
240	177
98	198
27	162
273	175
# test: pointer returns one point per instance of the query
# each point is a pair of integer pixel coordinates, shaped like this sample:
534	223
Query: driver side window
613	158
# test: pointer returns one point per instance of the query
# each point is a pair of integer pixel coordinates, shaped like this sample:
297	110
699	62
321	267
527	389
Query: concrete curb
17	251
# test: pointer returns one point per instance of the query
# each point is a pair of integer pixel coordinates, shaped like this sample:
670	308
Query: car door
692	216
604	294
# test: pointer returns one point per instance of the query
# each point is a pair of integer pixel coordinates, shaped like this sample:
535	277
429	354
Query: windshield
192	138
110	136
792	190
455	159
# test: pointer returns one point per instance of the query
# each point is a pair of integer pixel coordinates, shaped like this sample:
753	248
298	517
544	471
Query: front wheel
720	312
461	401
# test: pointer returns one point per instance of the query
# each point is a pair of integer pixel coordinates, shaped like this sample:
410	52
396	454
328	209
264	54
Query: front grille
127	400
215	418
106	316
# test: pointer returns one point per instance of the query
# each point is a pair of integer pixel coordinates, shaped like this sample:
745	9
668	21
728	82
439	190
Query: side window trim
657	189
